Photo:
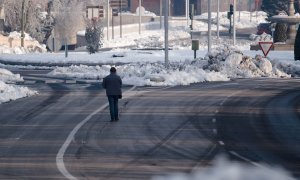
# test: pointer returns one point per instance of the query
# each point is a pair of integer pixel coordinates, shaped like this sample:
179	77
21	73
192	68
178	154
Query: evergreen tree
272	7
280	34
297	46
94	35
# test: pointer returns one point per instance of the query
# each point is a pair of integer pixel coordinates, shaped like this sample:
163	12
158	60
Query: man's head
113	70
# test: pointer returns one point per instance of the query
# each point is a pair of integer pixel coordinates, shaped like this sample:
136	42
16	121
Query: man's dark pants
113	107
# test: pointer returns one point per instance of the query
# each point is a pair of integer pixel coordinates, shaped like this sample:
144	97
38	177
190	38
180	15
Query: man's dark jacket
112	83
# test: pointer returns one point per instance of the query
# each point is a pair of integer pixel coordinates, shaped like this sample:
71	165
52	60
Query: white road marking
215	131
245	159
214	120
60	155
221	143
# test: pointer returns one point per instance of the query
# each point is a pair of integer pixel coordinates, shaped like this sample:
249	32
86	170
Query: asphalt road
64	132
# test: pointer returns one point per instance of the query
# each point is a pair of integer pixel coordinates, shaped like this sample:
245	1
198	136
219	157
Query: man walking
112	83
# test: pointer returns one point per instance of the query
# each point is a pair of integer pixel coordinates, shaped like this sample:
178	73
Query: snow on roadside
11	44
223	169
9	92
7	76
222	64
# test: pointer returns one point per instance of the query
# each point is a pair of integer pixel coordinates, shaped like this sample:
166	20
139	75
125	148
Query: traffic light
231	9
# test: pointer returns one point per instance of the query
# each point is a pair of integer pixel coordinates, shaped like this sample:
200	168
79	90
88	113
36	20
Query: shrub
94	35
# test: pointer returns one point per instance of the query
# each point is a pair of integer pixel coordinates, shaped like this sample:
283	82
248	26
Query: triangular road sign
265	47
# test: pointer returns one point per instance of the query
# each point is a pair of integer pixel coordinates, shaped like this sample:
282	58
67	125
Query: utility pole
160	13
120	4
22	24
218	19
140	16
187	7
107	16
166	33
209	26
234	19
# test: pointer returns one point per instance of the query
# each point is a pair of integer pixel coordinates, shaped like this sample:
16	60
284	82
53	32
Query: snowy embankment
8	90
223	169
222	64
11	44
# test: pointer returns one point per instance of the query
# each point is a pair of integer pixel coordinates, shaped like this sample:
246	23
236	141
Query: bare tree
33	16
69	19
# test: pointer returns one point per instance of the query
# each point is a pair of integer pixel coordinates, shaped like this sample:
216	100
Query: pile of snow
17	35
12	44
223	169
9	77
4	49
234	64
9	92
222	64
261	38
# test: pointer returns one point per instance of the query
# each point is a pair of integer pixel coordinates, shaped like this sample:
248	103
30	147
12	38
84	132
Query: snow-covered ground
222	169
12	44
8	90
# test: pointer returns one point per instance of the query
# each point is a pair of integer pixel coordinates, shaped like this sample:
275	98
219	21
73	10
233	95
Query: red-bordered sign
265	47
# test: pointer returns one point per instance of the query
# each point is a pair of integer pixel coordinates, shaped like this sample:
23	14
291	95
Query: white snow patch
9	92
223	169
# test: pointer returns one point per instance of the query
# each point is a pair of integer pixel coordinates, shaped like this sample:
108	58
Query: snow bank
13	92
9	92
222	64
223	169
233	64
7	76
12	44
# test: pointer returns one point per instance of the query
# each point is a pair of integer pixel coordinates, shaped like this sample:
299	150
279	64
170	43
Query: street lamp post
218	19
120	4
167	33
160	14
107	16
140	16
22	24
209	26
234	29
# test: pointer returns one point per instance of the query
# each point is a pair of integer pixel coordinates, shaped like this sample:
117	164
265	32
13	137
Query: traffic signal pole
234	19
218	19
209	26
191	15
22	24
166	33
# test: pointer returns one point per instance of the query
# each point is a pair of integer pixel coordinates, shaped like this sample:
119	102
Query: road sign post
195	47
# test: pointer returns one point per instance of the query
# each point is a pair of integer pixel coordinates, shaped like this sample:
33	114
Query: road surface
65	133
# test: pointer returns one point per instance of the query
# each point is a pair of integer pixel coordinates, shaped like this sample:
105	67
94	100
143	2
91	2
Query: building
2	17
177	7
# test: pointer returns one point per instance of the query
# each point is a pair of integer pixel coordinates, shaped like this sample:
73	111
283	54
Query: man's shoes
112	120
117	119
